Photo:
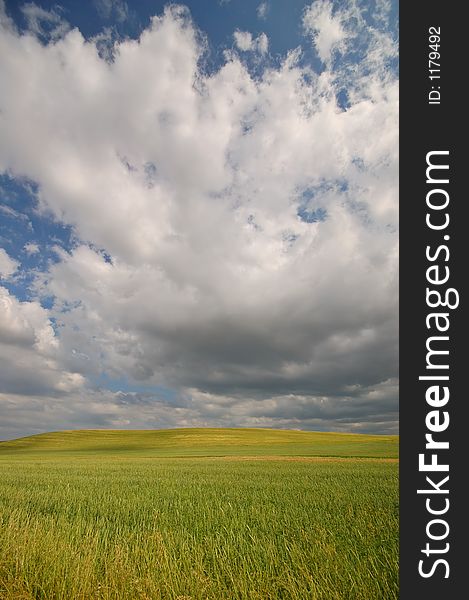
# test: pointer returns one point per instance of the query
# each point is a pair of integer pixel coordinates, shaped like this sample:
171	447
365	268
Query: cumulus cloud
327	30
30	351
244	41
90	409
8	265
236	235
368	410
360	409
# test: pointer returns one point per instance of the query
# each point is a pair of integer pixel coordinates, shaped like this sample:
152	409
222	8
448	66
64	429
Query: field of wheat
127	515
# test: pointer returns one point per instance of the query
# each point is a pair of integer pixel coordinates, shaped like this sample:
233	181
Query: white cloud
366	411
262	10
24	414
43	23
205	191
362	409
262	43
245	42
31	248
12	213
8	265
108	9
5	21
326	28
30	353
343	31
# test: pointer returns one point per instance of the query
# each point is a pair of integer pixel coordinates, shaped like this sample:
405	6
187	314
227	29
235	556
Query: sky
198	215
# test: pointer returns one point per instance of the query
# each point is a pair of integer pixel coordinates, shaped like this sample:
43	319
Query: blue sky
198	215
281	21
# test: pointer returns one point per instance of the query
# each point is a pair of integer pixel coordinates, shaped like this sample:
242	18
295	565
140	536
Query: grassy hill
203	442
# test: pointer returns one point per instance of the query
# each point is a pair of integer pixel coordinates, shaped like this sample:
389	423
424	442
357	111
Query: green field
218	514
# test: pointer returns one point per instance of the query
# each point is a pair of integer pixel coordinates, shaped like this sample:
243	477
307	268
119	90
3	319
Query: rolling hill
203	442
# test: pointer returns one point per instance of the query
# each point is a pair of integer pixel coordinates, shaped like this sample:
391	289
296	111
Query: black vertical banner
434	439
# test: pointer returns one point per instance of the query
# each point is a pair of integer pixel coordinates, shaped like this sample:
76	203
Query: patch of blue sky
311	192
217	20
102	251
27	235
343	100
356	50
312	216
311	199
122	384
373	17
55	326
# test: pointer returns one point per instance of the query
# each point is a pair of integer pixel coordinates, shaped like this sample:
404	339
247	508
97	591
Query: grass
112	515
206	442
